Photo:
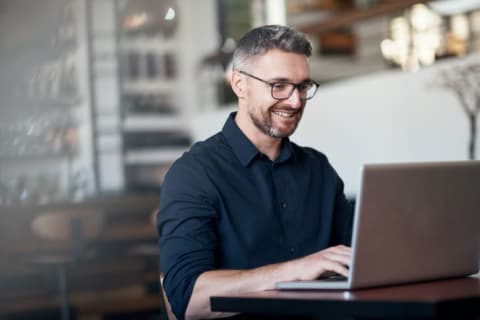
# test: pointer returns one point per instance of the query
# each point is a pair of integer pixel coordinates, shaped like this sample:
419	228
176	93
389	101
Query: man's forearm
220	282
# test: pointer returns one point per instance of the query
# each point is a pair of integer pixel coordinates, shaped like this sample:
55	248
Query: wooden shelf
348	17
160	155
149	86
154	123
147	45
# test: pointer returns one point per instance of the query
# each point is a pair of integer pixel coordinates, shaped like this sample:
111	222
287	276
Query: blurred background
99	97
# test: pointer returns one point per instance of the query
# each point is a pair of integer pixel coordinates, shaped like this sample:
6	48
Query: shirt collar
244	149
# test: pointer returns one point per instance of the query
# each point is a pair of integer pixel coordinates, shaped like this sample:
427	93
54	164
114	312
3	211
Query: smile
284	114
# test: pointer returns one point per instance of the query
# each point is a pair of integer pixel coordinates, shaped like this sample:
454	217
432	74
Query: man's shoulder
199	164
314	158
212	143
203	152
305	152
206	149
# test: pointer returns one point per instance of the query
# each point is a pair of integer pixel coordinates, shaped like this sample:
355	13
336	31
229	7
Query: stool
70	233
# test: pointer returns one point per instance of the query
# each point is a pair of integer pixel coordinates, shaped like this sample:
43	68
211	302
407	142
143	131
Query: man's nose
295	99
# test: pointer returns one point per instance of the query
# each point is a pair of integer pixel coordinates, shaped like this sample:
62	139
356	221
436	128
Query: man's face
276	118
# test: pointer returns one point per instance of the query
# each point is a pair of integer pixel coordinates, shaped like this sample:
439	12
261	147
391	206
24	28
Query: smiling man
247	207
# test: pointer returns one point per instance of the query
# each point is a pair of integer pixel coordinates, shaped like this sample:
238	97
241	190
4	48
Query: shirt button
292	250
284	205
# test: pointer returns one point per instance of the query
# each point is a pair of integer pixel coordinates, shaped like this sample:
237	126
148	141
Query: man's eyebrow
279	79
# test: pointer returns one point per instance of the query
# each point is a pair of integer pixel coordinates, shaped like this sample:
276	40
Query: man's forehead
281	65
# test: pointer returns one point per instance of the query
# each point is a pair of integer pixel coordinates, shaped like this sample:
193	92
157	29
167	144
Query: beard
264	123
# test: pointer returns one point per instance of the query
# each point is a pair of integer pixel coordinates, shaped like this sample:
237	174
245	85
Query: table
446	299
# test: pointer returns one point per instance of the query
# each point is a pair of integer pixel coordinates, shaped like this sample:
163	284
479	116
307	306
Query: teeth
283	114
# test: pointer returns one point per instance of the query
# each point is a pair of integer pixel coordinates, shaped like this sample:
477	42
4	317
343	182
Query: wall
390	116
199	38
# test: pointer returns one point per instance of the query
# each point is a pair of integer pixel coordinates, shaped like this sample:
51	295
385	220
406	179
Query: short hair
262	39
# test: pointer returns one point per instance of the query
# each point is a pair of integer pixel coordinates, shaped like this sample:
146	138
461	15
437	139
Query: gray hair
262	39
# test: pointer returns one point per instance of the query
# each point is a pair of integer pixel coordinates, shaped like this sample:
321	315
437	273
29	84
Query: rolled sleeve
187	232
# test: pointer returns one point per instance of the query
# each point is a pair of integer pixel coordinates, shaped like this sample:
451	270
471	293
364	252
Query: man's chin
287	125
281	133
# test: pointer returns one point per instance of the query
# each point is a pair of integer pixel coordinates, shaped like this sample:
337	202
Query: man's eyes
286	85
281	85
304	86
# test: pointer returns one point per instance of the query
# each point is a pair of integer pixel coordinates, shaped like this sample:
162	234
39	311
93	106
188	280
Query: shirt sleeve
186	230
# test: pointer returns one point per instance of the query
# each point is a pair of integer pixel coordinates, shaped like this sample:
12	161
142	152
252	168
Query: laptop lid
417	221
413	222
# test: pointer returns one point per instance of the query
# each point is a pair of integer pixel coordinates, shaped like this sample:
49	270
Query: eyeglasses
283	90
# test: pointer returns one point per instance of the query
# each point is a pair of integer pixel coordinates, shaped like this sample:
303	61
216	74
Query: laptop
413	222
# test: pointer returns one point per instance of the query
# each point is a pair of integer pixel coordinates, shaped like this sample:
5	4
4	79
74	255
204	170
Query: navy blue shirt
225	205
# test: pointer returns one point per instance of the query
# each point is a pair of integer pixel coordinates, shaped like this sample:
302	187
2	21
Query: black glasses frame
299	86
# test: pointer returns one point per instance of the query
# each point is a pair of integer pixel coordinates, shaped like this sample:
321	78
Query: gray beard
267	128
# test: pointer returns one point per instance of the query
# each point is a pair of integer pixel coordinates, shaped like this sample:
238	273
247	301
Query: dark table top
430	300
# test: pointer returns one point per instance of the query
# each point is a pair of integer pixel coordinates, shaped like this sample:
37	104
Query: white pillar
275	12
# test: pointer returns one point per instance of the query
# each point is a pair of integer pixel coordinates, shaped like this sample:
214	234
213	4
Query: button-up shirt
225	205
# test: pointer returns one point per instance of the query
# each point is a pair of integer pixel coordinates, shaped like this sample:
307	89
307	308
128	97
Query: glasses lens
311	90
282	90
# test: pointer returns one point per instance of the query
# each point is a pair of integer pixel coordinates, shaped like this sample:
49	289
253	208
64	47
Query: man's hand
334	259
331	260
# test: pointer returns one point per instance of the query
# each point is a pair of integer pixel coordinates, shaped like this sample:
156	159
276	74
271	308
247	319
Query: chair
168	309
68	233
151	250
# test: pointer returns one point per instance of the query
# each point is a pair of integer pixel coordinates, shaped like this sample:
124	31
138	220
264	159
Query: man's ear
238	84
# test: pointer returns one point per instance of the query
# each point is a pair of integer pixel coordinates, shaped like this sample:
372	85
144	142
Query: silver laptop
413	222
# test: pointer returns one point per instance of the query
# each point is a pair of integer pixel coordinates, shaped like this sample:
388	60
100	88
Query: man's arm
187	226
334	259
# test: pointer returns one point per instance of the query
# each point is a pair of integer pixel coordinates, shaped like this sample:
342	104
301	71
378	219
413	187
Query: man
247	207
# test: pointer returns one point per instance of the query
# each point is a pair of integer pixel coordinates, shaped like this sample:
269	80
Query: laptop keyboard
335	277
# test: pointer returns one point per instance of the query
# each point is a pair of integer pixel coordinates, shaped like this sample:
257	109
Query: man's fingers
332	266
337	259
341	249
339	254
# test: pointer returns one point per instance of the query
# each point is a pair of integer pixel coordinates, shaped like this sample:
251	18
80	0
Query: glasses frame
272	84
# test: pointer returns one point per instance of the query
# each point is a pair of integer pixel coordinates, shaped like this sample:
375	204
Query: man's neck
269	146
266	144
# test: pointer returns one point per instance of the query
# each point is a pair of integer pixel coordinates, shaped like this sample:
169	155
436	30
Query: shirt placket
284	205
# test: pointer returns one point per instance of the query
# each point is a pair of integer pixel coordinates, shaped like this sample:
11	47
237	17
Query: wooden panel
124	256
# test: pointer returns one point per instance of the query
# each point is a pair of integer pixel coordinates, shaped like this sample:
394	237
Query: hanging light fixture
415	38
149	17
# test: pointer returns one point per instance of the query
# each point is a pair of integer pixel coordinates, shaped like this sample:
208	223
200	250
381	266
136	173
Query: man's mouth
285	114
